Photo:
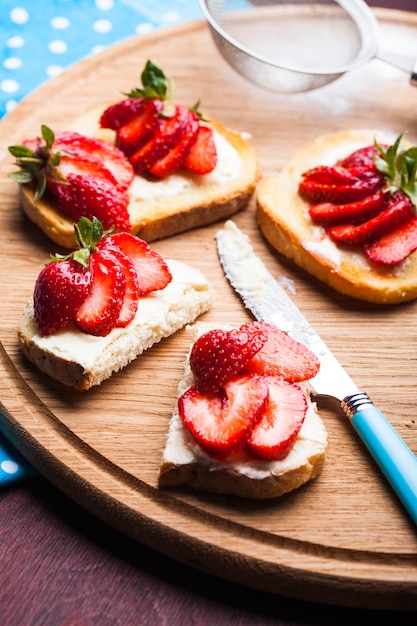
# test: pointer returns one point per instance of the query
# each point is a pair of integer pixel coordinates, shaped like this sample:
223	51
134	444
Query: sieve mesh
292	45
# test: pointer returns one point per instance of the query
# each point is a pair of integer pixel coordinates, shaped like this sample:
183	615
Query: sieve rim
358	10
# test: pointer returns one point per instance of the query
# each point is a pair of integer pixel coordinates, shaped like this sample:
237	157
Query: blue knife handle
391	453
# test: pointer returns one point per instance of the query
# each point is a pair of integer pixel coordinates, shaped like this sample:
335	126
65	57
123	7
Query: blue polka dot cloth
38	40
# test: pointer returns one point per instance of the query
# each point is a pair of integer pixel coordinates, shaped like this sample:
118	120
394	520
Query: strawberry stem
87	234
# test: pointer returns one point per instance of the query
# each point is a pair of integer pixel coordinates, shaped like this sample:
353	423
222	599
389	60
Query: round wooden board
342	539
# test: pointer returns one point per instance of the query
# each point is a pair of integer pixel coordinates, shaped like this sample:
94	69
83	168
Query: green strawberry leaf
399	167
87	234
48	135
154	84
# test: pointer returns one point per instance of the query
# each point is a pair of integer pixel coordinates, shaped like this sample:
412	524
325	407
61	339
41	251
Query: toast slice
185	463
81	361
162	208
284	221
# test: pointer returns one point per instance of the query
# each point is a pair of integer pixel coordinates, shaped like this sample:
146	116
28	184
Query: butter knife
267	300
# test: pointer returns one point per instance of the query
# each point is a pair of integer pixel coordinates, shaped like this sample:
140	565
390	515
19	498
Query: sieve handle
403	62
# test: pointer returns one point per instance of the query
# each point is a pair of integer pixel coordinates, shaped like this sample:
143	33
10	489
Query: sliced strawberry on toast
100	311
339	185
274	434
329	214
220	421
131	294
395	246
202	156
159	137
179	148
81	174
93	196
60	290
218	355
394	215
152	270
282	356
139	130
110	157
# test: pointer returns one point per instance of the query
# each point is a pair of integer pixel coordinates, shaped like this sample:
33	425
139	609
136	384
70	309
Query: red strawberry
274	434
105	154
283	356
101	309
393	216
57	180
327	213
152	271
174	157
395	246
80	172
220	421
131	136
363	157
121	113
339	185
331	175
202	156
60	290
217	356
171	129
93	196
131	295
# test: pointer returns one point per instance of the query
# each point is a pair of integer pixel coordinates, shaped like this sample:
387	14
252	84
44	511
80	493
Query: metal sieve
297	45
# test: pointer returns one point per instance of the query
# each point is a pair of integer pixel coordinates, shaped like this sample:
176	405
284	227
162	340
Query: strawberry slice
185	139
273	436
282	356
327	213
339	185
152	271
396	214
122	112
220	421
131	295
60	290
202	156
395	246
93	196
139	130
217	356
363	157
57	179
100	311
171	129
331	175
105	154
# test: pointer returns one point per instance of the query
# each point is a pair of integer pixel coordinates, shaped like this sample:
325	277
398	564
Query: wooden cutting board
342	539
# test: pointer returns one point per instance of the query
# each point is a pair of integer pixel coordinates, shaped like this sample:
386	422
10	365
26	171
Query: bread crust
157	217
184	464
284	221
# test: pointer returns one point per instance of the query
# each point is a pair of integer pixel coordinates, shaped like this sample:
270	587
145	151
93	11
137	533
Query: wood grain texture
344	536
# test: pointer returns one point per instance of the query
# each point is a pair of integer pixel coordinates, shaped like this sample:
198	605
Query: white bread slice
162	208
284	221
185	463
79	360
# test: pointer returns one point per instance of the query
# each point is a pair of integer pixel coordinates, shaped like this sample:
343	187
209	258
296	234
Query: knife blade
262	294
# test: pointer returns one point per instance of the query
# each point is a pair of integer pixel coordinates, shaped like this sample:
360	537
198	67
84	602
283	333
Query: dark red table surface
60	566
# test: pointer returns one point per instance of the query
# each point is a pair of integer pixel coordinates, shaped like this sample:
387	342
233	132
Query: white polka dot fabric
38	40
